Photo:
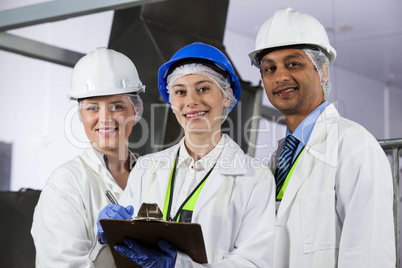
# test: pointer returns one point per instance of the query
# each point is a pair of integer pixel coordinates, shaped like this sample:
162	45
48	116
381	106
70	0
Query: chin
108	144
198	128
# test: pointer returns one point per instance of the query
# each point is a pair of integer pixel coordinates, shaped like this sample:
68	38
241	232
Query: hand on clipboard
146	256
150	232
113	211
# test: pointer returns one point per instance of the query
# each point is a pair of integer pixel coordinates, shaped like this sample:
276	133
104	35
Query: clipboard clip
149	212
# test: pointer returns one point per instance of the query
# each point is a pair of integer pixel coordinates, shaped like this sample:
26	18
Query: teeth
287	90
107	130
194	115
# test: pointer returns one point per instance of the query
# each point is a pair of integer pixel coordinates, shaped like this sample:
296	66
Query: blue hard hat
198	53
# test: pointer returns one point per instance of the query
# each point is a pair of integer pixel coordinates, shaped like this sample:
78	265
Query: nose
105	115
192	98
282	75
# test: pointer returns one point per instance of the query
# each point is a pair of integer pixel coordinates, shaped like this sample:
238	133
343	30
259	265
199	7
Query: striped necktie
285	161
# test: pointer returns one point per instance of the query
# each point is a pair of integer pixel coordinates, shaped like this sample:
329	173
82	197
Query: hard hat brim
108	92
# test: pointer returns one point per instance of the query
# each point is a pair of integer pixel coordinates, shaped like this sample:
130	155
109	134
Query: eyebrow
294	55
89	103
196	83
97	102
287	57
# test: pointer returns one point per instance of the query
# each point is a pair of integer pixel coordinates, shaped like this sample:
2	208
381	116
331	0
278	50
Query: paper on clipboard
185	237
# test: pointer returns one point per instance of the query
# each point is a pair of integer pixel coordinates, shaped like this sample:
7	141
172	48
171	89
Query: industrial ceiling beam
59	10
48	12
38	50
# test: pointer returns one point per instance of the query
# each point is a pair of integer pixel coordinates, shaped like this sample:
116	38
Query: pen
111	197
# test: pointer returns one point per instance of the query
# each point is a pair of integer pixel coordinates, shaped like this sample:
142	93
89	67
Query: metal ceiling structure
49	12
59	10
38	50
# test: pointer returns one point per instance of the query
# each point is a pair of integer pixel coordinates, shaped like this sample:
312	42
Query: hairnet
134	99
320	62
138	106
197	68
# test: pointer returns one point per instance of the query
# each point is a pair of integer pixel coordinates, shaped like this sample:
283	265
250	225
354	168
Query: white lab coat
236	207
337	207
64	224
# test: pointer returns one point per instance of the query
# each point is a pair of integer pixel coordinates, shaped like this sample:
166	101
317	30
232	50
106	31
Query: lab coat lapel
325	136
226	166
163	169
92	159
210	188
273	162
314	151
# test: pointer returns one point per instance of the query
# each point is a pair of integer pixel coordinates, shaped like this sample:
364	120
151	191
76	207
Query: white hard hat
289	27
104	72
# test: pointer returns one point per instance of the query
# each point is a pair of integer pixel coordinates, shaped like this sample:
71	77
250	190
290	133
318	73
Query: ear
226	101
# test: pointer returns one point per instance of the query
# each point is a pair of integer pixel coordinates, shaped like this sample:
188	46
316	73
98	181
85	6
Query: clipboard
185	237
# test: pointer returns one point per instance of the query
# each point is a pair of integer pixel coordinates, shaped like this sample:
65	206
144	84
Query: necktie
285	161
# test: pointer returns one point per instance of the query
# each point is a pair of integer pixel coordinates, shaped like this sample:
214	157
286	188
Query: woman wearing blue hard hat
206	178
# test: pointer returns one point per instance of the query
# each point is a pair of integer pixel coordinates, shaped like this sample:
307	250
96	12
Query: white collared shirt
189	173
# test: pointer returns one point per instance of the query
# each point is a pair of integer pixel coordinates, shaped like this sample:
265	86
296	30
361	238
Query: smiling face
108	121
291	82
198	103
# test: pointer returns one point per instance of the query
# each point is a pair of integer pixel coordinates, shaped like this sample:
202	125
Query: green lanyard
285	183
185	211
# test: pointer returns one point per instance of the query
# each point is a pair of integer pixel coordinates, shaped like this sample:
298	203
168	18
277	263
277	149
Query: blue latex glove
165	257
113	211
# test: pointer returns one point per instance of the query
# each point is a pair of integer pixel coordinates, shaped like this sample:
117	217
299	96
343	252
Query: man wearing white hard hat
106	85
333	181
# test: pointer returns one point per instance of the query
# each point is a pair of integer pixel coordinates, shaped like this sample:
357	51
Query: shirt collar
105	160
304	129
205	163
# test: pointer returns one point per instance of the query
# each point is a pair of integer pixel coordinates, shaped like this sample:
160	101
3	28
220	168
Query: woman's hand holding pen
113	211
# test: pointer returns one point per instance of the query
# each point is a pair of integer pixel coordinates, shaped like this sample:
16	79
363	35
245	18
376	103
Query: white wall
34	98
35	106
360	99
35	111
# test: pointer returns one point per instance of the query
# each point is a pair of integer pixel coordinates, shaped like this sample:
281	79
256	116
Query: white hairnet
197	68
138	106
320	62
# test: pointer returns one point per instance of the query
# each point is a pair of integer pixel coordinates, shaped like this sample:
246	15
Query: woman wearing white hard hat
106	85
334	182
211	181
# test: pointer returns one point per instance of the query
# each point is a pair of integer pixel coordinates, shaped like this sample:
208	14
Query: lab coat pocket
319	228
